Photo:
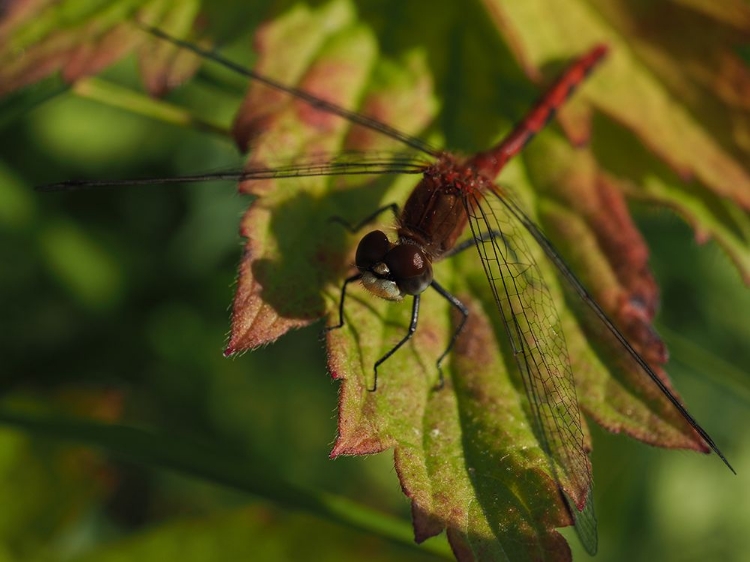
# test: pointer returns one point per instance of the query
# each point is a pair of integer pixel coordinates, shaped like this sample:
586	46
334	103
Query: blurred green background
114	305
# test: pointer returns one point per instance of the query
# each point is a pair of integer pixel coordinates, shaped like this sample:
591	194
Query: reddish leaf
274	296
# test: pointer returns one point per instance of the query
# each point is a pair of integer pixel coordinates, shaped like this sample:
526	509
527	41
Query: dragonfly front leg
406	338
348	280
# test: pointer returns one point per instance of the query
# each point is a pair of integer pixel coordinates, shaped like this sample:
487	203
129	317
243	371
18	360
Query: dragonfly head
392	270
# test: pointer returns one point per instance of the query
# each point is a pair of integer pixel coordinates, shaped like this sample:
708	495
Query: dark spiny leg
464	312
465	245
367	220
356	277
406	338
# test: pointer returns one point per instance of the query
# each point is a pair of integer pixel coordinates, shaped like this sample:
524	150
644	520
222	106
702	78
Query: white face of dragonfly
378	284
391	270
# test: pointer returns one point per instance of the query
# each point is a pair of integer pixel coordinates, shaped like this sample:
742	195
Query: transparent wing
615	343
538	345
346	163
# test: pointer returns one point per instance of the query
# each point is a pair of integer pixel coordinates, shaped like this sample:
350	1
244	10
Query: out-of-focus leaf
17	104
46	490
684	100
79	38
201	460
83	267
586	216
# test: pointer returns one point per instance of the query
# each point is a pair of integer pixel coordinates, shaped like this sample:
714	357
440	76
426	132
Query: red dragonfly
453	193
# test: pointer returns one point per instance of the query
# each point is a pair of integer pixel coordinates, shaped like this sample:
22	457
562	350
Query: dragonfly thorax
390	270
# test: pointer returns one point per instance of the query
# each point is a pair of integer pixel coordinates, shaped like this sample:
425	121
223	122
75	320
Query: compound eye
409	268
372	249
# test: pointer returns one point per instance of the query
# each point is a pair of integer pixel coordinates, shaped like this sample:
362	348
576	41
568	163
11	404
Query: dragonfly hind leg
457	332
465	245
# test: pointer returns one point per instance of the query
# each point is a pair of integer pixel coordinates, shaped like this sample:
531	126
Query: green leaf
50	488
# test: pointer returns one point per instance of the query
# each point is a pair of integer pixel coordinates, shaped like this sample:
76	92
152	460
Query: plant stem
116	96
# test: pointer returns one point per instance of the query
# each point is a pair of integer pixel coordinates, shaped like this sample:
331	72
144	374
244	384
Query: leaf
51	487
270	299
587	217
466	456
641	89
81	38
404	412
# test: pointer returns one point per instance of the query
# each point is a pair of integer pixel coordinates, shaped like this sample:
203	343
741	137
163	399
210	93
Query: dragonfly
455	194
